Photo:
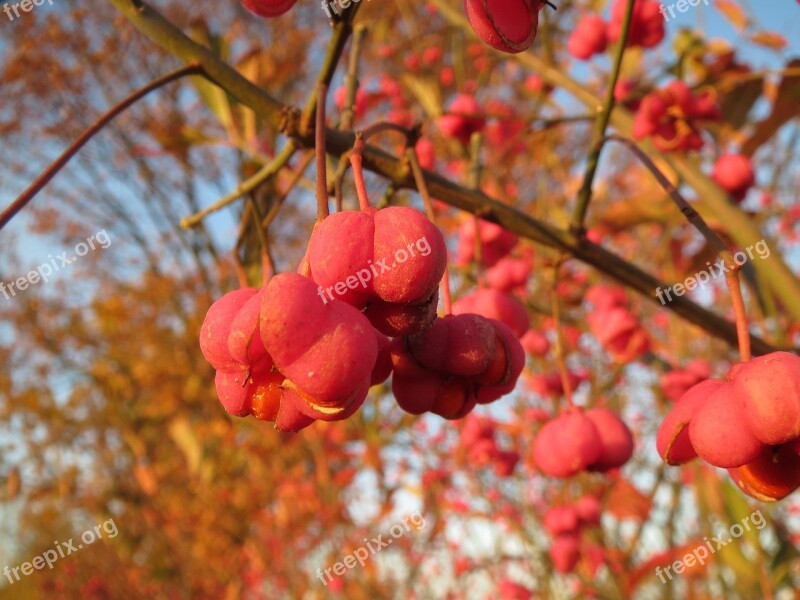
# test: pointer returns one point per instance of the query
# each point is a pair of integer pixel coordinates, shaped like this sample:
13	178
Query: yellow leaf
733	12
770	39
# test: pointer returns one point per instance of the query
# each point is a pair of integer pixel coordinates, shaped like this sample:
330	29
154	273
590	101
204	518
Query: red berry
458	122
720	433
615	438
493	304
734	174
672	441
561	520
768	390
506	25
567	445
268	8
588	38
564	552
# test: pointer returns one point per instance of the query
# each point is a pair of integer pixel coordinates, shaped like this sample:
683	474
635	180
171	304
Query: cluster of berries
614	325
748	424
480	444
565	525
308	346
592	34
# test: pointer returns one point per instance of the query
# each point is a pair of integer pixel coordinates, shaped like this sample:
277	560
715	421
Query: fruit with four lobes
561	520
268	8
325	351
672	441
506	25
567	445
535	343
246	380
734	174
647	23
388	262
509	274
588	38
460	361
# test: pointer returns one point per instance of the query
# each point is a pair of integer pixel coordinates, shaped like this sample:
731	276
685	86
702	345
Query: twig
585	193
319	145
413	161
247	186
351	78
58	164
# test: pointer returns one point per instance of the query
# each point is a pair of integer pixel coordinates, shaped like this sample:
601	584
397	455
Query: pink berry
588	38
615	438
768	390
506	25
268	8
734	174
720	433
567	445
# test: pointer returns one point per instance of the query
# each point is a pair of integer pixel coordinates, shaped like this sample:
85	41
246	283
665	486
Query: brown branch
151	23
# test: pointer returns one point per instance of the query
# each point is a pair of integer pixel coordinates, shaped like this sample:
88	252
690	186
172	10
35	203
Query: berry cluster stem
358	171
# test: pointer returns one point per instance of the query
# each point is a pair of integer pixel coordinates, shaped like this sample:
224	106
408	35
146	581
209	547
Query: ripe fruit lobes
217	325
720	433
566	445
327	350
506	25
615	438
672	440
268	8
734	174
588	38
388	262
772	476
460	361
768	389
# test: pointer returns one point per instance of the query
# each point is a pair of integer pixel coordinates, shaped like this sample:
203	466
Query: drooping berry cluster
309	345
565	524
748	424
